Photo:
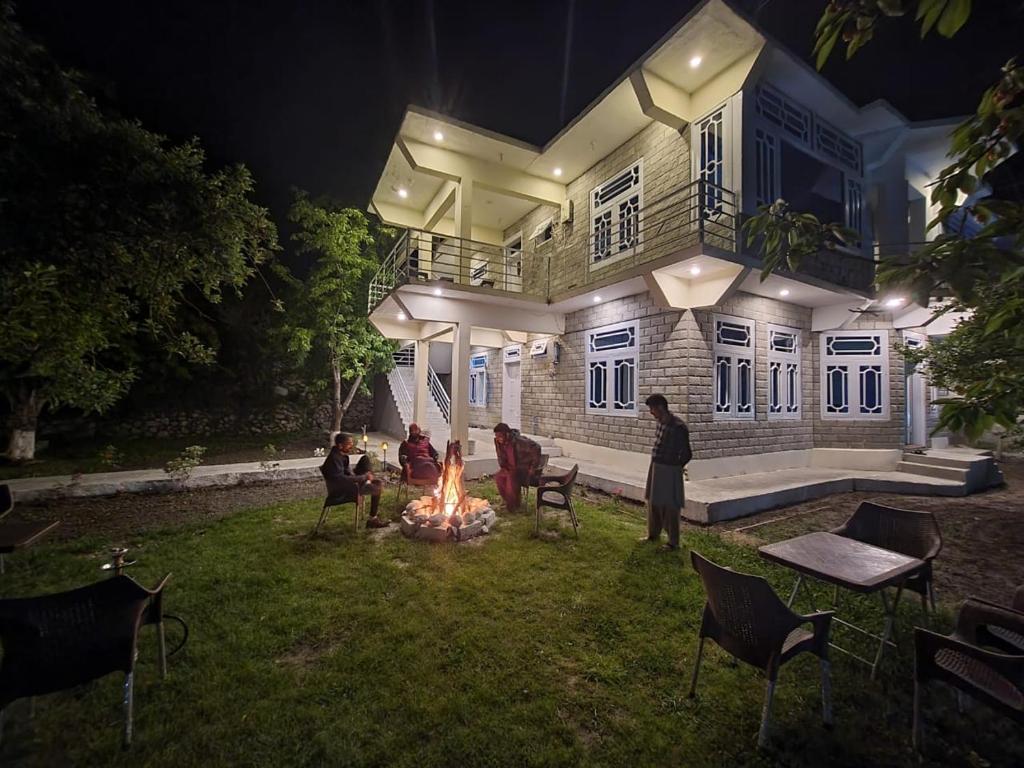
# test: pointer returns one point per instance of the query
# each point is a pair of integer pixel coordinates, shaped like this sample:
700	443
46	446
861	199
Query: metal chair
15	536
340	490
745	617
555	491
959	660
406	479
915	534
58	641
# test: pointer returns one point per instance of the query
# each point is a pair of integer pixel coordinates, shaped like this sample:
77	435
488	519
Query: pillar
420	393
464	226
460	384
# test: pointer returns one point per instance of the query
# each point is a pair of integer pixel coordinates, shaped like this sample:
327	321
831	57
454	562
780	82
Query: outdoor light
401	315
438	136
403	192
597	299
437	291
894	302
784	292
695	62
384	450
694	271
557	171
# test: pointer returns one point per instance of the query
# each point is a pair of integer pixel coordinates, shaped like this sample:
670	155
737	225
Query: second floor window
615	215
613	355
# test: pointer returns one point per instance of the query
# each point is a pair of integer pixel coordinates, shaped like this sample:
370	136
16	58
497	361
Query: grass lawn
368	649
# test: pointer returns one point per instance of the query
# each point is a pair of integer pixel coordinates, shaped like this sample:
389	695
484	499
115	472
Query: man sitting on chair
519	459
418	457
337	465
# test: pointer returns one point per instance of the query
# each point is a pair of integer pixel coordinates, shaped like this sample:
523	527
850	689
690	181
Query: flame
451	490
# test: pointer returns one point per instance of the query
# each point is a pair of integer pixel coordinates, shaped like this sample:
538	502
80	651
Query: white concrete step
938	460
944	471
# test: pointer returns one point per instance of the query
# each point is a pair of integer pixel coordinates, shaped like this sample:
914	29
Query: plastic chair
15	536
340	490
58	641
745	617
915	534
555	491
959	660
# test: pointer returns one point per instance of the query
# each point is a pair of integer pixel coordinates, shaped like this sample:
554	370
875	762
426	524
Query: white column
419	397
464	226
460	385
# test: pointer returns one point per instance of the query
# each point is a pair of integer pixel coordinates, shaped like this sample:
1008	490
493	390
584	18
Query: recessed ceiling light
895	302
695	270
401	315
784	292
695	62
403	192
438	136
597	299
557	171
437	291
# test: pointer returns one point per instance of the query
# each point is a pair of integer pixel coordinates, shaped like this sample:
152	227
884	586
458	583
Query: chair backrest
65	639
6	500
570	478
743	614
340	486
910	533
1018	599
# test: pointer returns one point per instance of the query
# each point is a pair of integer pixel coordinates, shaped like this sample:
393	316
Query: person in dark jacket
337	465
664	492
519	462
418	457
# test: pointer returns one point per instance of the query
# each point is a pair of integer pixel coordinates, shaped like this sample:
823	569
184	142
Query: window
734	367
836	145
766	172
811	186
855	375
478	380
783	372
615	215
544	231
612	359
791	117
711	134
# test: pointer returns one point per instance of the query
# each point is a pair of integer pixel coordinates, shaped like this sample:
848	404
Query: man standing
664	493
337	465
519	462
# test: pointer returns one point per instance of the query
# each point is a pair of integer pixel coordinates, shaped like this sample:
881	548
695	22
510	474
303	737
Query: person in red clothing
519	462
418	457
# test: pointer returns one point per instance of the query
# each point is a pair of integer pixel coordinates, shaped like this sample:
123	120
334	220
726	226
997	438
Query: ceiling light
695	270
597	299
401	315
557	171
437	291
895	302
695	62
784	292
403	192
438	136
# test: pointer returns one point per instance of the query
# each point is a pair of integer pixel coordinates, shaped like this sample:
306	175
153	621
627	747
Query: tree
978	271
328	325
106	231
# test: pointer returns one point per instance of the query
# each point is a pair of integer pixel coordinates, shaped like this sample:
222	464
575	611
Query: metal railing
406	358
439	394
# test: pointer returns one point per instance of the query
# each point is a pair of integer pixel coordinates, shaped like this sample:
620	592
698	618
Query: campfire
448	514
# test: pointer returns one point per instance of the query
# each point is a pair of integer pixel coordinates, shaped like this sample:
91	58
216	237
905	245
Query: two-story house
571	280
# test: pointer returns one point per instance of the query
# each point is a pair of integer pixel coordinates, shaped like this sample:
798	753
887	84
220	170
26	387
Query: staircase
976	470
402	381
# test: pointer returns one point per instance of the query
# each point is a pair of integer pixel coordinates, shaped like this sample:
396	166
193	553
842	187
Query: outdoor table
852	565
20	535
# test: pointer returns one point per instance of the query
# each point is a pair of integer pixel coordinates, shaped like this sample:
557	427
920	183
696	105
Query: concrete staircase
973	469
402	381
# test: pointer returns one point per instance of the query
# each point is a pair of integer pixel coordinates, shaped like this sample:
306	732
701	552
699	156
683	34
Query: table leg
796	590
890	617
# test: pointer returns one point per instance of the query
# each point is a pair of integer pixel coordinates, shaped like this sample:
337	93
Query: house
560	285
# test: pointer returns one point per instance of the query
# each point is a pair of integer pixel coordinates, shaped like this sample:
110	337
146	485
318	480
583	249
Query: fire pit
449	514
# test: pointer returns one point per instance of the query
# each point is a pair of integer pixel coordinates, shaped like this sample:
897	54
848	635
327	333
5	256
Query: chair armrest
927	645
821	621
977	614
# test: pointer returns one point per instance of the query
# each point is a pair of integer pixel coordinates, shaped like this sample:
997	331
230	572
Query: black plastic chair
745	617
54	642
14	536
340	490
555	491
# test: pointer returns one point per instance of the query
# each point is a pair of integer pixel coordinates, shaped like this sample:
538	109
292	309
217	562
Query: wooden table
852	565
20	535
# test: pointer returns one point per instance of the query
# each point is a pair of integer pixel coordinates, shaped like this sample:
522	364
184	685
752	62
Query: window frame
787	393
609	358
611	206
736	353
853	378
478	381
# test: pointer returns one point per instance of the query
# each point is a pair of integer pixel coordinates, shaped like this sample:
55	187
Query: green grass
516	651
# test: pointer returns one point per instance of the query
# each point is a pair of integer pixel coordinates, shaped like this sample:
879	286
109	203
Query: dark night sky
310	92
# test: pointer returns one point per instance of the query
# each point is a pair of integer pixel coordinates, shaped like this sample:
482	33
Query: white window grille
734	367
855	375
854	205
478	380
837	146
791	117
766	175
615	215
783	372
512	353
712	147
612	359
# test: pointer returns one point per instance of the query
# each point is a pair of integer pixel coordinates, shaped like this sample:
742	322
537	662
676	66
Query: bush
180	467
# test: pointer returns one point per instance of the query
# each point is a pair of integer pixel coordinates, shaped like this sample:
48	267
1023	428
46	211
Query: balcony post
464	227
419	396
460	383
